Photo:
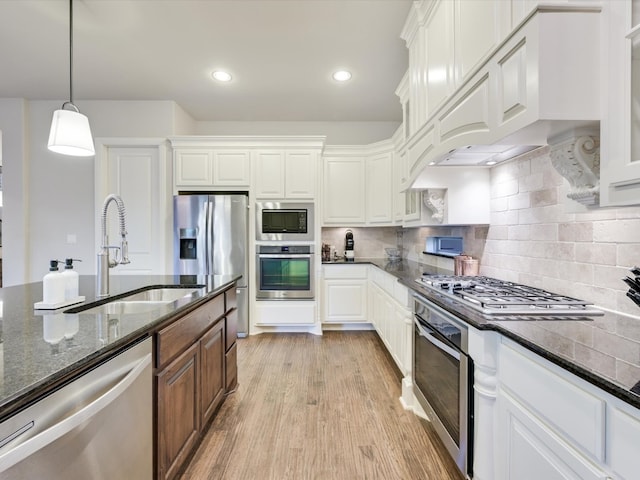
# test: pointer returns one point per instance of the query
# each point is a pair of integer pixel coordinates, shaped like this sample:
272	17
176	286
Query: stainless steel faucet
121	258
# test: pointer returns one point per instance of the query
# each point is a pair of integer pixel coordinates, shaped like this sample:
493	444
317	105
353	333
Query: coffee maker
348	246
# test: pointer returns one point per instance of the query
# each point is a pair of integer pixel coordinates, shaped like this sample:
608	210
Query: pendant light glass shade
70	133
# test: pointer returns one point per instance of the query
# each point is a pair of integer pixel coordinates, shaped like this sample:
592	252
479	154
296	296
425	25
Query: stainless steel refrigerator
210	238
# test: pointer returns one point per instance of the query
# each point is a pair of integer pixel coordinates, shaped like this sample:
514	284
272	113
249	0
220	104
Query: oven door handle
437	343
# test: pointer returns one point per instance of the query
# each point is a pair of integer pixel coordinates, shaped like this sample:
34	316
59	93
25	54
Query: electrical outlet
71	238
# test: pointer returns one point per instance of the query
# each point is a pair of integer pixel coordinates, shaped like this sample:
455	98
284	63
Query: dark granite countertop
605	350
42	348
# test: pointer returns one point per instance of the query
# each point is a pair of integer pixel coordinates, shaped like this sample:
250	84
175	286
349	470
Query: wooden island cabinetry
195	364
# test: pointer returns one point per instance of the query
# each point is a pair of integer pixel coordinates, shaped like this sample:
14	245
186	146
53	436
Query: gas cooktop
491	296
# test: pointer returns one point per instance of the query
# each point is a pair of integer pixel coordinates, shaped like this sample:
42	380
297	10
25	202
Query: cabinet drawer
231	299
560	402
183	332
346	271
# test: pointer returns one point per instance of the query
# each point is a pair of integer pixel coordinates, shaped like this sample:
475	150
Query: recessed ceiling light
341	76
491	162
221	76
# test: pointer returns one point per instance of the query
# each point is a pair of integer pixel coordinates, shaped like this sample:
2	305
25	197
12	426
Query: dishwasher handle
29	447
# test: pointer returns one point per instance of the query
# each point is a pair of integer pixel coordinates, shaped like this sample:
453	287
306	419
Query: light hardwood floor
318	407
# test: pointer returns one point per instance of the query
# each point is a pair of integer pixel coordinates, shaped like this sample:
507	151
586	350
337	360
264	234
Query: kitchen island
42	350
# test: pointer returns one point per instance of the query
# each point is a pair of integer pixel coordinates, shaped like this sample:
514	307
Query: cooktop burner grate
497	297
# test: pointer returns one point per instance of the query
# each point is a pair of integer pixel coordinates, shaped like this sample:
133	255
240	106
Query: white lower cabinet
345	293
551	424
531	450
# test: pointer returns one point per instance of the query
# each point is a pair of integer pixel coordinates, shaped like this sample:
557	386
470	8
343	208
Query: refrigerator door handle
207	227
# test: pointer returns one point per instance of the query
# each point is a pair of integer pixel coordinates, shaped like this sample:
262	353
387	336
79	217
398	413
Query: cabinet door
212	384
232	168
193	167
379	188
177	387
620	127
269	174
345	301
138	175
344	194
528	450
300	174
439	55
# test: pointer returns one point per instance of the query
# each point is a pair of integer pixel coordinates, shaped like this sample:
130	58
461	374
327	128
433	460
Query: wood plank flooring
318	407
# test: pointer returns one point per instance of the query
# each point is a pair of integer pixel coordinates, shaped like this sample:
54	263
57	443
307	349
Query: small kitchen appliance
444	246
349	254
284	222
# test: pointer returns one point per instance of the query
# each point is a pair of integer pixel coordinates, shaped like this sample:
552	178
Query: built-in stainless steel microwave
284	221
446	246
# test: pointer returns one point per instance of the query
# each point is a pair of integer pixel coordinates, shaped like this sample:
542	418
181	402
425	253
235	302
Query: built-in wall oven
285	272
284	222
442	378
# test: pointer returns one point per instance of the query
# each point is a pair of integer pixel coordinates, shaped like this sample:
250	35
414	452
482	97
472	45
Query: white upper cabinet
193	167
620	132
379	189
301	170
210	167
269	174
285	167
344	191
231	168
359	186
497	72
286	174
439	54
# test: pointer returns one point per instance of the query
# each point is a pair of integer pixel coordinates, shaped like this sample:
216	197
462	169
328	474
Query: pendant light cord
71	52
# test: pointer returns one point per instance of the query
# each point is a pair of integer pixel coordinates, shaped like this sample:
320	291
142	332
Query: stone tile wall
540	238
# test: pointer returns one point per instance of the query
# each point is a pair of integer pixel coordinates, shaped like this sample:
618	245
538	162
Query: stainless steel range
491	296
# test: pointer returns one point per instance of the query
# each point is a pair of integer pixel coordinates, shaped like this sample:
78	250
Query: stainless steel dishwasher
98	426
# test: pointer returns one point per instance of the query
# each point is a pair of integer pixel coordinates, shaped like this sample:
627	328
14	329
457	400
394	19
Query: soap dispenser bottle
53	285
71	278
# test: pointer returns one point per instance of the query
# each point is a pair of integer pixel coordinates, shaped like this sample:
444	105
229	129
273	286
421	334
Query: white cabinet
344	191
286	174
379	186
345	294
137	171
209	167
531	450
193	167
486	82
392	317
358	185
231	168
551	424
620	126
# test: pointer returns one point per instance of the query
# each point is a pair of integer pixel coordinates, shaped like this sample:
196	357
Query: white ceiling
280	52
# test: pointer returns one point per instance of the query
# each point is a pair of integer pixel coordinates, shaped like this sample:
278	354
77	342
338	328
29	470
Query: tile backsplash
540	238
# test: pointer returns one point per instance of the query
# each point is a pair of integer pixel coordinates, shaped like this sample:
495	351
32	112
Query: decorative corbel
433	199
578	160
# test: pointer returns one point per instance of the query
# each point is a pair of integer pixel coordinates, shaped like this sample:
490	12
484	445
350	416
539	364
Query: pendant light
70	132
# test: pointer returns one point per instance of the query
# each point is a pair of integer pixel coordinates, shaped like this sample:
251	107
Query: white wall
14	115
54	194
337	133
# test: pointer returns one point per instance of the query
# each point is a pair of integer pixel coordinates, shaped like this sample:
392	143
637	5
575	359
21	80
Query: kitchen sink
139	302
